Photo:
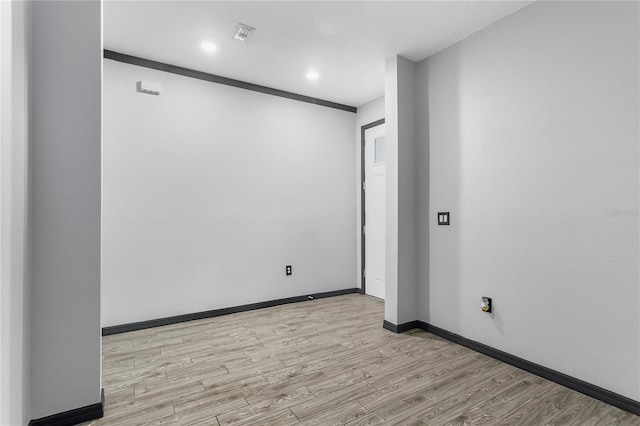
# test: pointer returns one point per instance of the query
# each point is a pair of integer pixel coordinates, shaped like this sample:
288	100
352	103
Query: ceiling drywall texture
345	42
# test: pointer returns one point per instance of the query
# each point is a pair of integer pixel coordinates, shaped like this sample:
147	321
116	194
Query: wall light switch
443	218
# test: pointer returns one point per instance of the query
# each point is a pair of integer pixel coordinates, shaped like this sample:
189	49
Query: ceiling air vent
243	32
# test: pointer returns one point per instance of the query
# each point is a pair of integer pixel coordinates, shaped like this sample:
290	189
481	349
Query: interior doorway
373	209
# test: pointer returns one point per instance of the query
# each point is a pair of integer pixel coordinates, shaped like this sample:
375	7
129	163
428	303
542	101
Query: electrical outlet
288	270
486	305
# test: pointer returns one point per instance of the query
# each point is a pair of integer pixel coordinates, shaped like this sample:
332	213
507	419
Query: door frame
363	129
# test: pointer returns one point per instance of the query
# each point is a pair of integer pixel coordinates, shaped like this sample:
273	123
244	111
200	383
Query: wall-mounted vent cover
148	87
243	32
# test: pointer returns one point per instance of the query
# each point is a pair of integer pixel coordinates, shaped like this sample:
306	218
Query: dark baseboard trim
359	290
389	326
400	328
186	72
124	328
73	417
578	385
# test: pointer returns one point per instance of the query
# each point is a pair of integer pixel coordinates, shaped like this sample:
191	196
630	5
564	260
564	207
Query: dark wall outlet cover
288	270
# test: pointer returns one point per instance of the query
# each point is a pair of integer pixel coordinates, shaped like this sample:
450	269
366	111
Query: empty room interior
320	213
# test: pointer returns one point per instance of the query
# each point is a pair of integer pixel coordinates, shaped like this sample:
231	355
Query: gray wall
401	139
407	190
210	190
14	288
534	149
367	113
65	205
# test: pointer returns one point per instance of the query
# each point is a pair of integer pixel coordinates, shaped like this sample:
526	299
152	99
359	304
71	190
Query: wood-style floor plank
323	362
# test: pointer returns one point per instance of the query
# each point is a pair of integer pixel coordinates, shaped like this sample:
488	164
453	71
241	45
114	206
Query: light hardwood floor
323	362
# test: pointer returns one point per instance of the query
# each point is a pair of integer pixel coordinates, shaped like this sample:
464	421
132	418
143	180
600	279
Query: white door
374	211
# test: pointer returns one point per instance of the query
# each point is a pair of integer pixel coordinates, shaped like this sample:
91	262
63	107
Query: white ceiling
347	42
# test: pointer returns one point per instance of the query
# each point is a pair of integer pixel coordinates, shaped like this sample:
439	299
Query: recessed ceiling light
208	47
313	75
243	32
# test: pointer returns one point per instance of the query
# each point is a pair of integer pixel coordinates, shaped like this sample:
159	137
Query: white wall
367	113
14	288
391	190
209	191
534	130
64	173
